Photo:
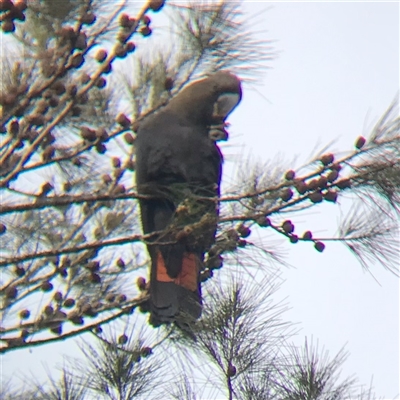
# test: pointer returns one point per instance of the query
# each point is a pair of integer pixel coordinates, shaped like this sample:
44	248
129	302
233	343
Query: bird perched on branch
178	167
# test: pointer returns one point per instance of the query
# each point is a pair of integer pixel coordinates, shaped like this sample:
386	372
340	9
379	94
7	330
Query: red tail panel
188	277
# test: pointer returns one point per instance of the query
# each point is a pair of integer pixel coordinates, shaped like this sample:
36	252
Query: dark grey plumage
176	160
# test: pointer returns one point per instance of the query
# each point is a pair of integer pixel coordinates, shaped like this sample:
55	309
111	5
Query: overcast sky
337	72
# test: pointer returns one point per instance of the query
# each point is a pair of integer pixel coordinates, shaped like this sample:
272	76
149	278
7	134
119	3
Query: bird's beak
225	105
222	108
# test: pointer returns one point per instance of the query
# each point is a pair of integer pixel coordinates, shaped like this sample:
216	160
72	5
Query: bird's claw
218	133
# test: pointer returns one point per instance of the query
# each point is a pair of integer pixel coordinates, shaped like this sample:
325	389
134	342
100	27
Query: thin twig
20	345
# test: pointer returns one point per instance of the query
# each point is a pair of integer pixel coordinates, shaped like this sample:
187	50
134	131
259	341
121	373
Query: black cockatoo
178	166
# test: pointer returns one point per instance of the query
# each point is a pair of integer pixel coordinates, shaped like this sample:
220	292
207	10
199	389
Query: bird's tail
175	299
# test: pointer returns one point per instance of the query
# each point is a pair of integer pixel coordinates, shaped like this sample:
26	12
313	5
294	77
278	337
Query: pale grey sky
337	72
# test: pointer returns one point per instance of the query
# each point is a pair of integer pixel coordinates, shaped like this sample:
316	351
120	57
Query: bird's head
209	101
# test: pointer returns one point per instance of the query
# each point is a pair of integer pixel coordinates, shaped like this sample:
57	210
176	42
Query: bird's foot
219	133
